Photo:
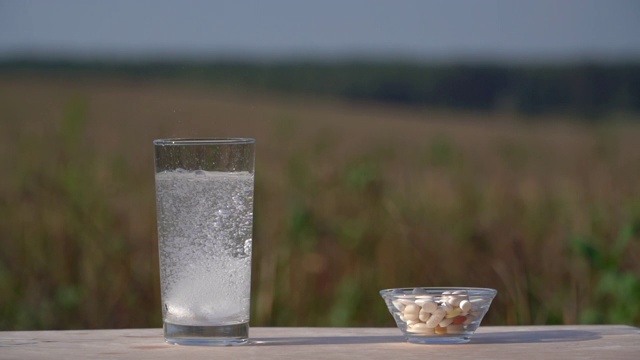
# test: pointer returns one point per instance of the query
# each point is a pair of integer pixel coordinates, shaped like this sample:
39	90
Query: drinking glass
204	198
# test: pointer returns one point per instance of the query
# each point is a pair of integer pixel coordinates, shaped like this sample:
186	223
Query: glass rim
436	290
205	141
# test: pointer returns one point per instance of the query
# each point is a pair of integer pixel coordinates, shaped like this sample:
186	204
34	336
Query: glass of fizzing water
204	198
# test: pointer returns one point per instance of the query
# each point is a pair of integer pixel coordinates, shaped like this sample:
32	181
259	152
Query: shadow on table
537	336
325	340
515	337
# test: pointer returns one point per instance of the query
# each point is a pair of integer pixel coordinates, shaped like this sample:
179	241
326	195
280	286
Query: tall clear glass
204	198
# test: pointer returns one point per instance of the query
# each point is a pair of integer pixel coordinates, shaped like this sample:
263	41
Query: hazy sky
506	29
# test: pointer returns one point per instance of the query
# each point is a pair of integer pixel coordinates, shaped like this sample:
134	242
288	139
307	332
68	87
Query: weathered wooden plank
499	342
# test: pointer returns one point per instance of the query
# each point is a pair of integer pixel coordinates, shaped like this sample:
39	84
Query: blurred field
351	198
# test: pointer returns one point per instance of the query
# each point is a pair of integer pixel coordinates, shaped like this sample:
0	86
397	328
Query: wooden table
490	342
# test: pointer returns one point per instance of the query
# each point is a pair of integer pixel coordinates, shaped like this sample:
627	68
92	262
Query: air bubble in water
247	246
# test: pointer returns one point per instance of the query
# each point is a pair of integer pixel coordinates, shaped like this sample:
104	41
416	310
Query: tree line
591	90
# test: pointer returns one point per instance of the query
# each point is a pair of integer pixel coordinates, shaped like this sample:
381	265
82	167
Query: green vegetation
590	90
350	199
66	258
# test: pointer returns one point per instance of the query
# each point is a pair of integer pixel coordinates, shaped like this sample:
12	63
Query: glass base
439	339
220	335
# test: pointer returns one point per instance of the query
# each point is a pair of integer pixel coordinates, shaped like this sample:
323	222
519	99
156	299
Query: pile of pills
451	312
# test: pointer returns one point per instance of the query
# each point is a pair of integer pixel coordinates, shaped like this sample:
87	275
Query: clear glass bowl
445	315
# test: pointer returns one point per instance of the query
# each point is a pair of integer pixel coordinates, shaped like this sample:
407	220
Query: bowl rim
431	290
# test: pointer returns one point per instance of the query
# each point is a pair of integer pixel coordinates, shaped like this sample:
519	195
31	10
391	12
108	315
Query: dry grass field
351	198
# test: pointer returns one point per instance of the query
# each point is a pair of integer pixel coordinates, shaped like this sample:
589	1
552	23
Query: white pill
465	305
422	328
446	307
179	311
435	318
405	301
424	316
457	296
429	306
412	322
461	293
421	300
454	300
411	308
411	316
446	322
